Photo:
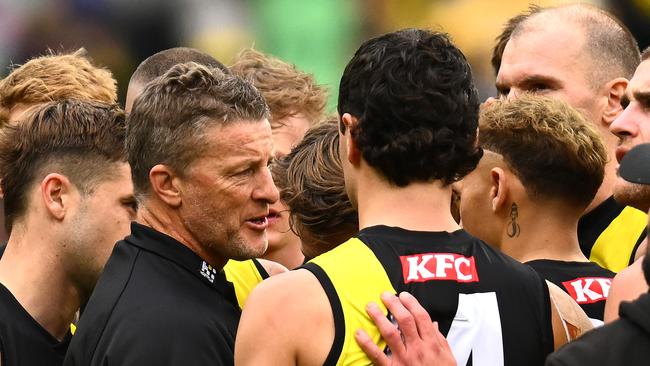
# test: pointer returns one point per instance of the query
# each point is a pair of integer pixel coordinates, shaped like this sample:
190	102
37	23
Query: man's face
101	218
633	128
476	212
549	62
227	191
287	133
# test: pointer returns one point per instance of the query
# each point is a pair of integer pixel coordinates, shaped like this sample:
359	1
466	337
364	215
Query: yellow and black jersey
610	234
244	275
492	309
586	282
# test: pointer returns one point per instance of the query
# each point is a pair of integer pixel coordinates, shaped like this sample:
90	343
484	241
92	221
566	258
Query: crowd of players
417	226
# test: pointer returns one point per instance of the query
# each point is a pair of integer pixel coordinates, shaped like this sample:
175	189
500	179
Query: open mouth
260	222
273	215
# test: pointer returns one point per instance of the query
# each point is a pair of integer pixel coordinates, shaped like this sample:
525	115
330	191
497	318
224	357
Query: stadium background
319	36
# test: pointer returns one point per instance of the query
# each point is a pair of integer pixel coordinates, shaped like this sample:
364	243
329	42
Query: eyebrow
642	97
531	79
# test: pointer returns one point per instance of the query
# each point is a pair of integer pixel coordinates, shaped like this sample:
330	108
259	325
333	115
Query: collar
163	245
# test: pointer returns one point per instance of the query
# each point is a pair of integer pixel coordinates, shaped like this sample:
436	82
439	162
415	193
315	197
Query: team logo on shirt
208	271
587	290
438	266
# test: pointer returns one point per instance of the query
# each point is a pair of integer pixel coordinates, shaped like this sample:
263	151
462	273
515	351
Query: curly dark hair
416	104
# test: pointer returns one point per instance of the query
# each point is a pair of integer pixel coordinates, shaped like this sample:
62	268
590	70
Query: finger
388	330
441	341
403	317
370	348
420	315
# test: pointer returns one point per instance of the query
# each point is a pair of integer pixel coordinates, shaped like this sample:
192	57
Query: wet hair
78	139
168	120
550	146
412	94
311	184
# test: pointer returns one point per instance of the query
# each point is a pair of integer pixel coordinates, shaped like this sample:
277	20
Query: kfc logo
438	266
588	290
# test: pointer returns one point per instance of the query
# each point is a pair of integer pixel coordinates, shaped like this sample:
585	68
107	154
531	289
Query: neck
545	232
34	274
288	255
609	180
165	220
418	206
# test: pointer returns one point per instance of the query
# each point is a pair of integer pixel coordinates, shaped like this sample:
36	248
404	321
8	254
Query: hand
419	342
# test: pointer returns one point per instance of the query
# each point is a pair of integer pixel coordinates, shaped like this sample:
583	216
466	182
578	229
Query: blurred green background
319	36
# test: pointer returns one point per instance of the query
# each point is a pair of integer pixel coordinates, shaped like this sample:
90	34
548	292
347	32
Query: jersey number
476	330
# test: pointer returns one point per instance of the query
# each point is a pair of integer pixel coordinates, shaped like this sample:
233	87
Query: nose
266	189
624	125
512	94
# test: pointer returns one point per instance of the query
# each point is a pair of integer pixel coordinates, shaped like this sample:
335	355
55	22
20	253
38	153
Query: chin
274	240
635	195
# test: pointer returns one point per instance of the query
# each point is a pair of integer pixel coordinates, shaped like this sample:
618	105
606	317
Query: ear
165	184
615	90
353	153
499	191
58	194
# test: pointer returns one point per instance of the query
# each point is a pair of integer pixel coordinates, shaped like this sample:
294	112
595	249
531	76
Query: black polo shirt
157	303
23	341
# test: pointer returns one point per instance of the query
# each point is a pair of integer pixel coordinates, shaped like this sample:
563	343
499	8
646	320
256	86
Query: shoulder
627	285
278	314
285	293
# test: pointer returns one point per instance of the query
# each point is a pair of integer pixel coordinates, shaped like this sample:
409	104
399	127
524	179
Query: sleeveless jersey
244	275
610	234
492	309
23	341
586	282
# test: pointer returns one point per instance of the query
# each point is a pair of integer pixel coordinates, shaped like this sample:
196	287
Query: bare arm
568	319
418	343
626	286
286	321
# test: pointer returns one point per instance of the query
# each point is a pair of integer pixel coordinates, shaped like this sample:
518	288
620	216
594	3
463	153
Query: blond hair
56	77
287	90
549	145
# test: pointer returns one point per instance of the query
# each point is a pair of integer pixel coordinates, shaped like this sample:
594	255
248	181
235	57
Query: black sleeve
165	344
261	269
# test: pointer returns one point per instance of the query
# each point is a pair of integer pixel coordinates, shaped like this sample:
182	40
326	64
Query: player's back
493	310
586	282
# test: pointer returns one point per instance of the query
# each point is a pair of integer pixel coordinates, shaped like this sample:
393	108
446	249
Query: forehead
542	52
287	132
640	82
239	139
